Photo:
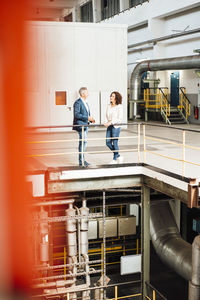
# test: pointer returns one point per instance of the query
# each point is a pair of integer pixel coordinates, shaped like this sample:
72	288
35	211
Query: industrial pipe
79	235
84	212
175	63
71	232
44	236
167	241
194	284
164	38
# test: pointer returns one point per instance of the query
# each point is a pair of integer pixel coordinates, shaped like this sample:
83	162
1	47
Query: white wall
66	56
163	18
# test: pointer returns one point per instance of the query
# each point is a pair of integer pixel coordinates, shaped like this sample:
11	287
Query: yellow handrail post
116	296
67	296
146	98
138	143
154	295
160	100
181	101
124	247
183	154
82	145
144	144
102	258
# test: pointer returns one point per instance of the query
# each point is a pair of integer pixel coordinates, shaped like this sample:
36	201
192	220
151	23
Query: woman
114	114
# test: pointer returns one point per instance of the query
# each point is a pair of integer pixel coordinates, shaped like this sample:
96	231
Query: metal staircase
175	116
157	100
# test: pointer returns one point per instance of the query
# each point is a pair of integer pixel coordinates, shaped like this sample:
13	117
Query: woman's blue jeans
112	144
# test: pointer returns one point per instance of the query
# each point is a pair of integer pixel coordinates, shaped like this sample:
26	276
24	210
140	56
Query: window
61	97
136	2
109	8
68	18
86	12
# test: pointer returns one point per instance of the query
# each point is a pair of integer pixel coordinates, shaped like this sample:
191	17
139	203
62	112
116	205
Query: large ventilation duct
175	63
194	285
167	241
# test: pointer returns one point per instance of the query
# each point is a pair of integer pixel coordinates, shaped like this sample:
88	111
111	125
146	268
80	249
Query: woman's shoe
120	160
113	162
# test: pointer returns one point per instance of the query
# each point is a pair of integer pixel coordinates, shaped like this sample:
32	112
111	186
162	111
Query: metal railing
157	98
153	293
143	140
76	140
184	103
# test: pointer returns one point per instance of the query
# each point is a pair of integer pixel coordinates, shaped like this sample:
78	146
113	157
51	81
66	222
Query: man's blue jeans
112	144
82	144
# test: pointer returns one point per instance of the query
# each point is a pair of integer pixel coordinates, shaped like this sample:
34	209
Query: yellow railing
157	99
141	144
184	104
136	295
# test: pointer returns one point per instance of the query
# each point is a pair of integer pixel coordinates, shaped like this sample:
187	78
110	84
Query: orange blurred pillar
14	268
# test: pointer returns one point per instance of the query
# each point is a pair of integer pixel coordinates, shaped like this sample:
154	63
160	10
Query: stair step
178	122
179	118
174	114
174	120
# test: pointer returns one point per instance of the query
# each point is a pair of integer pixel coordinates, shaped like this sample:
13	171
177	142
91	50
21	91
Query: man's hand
107	124
91	119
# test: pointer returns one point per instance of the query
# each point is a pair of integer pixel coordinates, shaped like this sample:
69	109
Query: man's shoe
86	164
120	160
113	162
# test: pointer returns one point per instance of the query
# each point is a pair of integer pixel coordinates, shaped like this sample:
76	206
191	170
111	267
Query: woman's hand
107	124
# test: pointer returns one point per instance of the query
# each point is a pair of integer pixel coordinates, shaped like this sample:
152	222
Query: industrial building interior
124	231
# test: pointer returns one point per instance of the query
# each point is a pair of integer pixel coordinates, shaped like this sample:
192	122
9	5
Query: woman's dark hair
118	97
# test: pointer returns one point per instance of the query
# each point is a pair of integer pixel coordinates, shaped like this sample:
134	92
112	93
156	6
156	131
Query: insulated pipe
194	284
71	232
44	236
167	241
84	211
175	63
79	235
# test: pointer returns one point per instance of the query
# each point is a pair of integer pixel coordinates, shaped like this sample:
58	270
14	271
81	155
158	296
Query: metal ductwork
175	63
167	241
194	285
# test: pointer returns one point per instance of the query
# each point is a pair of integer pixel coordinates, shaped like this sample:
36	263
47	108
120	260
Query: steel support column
96	7
145	238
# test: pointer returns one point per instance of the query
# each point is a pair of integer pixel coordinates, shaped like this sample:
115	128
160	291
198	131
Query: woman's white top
114	114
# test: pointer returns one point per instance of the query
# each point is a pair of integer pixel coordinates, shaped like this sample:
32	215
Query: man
82	117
